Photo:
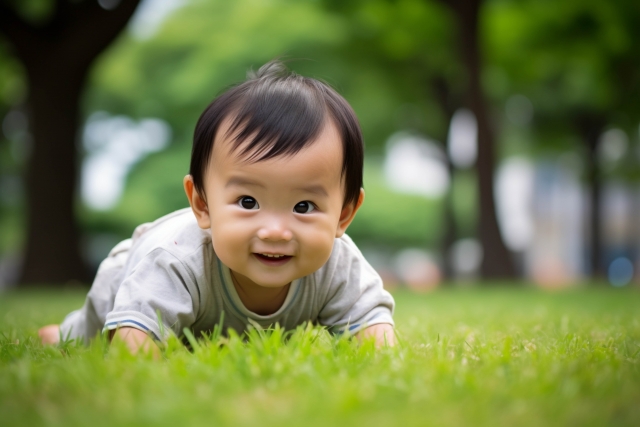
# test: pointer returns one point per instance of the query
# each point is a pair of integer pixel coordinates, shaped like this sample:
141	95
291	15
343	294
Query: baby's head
279	113
276	174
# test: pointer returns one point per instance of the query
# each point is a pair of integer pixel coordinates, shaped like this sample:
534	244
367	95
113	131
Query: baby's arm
383	334
137	341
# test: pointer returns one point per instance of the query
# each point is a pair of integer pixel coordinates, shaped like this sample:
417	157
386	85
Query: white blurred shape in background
612	145
466	256
556	255
114	145
415	165
417	269
618	212
519	110
150	15
463	139
514	196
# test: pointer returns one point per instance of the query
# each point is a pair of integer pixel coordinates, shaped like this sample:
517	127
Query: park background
502	136
502	148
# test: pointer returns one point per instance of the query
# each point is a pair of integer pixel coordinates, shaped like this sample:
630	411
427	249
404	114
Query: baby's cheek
319	247
226	242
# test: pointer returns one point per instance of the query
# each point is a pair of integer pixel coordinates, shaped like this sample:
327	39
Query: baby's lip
272	259
272	254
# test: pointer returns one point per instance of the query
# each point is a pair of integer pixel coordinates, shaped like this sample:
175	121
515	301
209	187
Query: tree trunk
595	243
448	106
57	56
52	253
496	260
590	129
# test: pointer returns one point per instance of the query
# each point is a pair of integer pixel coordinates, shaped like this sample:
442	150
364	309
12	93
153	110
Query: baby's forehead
233	143
317	165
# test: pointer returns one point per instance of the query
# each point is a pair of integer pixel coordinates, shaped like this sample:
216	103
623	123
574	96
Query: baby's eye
248	202
303	207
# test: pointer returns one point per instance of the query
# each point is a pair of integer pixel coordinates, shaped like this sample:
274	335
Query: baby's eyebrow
237	181
316	189
240	181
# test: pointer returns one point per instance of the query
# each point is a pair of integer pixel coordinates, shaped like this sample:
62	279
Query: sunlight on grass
474	357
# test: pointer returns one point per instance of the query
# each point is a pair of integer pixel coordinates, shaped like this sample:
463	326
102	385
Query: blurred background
502	136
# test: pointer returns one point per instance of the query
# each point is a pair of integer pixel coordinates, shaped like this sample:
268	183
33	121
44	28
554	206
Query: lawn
475	357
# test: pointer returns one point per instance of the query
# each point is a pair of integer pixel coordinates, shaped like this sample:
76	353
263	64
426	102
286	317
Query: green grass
510	357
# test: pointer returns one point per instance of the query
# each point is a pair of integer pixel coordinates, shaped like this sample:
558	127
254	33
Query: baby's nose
275	230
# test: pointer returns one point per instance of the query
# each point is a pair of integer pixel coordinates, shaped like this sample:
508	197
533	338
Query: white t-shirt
167	277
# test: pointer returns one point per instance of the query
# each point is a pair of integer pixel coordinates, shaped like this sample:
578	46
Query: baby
275	180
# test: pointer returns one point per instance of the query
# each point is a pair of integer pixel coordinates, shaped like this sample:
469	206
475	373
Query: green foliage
464	199
12	80
467	357
202	48
571	59
393	220
408	44
35	12
12	92
361	48
154	189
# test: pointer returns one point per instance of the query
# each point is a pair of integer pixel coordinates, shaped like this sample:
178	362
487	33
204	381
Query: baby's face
275	221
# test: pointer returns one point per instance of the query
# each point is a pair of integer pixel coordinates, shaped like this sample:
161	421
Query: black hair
275	113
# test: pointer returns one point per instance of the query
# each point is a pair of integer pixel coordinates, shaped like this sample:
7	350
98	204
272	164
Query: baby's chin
264	281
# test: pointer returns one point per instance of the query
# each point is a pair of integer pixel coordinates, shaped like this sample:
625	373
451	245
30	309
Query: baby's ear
348	214
198	204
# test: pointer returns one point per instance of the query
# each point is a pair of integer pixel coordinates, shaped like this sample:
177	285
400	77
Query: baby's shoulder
177	234
344	248
345	254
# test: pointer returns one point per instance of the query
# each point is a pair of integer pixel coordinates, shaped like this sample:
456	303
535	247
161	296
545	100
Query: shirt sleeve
159	295
355	297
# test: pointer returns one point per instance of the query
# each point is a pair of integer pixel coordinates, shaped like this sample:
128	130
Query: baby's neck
260	299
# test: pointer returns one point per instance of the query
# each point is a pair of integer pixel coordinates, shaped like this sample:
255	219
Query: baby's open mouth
272	259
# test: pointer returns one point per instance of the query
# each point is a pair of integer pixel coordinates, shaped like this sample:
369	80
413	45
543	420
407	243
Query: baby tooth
273	256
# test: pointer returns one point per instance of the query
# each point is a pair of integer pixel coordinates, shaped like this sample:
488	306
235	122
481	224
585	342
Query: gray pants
84	324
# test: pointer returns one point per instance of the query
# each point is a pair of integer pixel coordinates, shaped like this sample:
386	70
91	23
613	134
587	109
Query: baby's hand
137	341
383	334
50	334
